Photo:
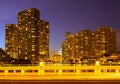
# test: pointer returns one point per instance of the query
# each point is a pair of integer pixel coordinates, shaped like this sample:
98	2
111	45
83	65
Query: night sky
64	16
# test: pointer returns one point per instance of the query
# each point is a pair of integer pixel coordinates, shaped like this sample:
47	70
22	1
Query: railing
58	69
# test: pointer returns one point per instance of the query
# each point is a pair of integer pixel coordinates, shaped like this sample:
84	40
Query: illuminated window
43	52
32	28
6	48
86	37
76	46
81	52
33	49
103	51
33	45
19	16
6	41
97	35
29	10
103	40
19	20
26	29
47	26
47	36
33	36
98	30
29	22
98	41
25	52
20	28
25	47
33	55
25	13
103	32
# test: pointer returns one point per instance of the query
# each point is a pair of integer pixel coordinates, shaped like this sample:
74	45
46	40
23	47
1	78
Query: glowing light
97	63
41	63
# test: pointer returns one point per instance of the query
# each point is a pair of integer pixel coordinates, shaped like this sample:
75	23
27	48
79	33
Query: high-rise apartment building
87	44
11	40
44	39
67	47
32	34
82	44
105	41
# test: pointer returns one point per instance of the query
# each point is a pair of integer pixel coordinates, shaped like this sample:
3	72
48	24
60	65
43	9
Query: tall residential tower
32	36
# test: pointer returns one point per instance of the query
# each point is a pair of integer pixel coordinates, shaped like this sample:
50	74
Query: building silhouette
86	45
30	38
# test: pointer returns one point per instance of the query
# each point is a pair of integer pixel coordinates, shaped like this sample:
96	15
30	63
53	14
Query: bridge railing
58	69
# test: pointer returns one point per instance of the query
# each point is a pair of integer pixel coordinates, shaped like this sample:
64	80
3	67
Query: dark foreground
60	82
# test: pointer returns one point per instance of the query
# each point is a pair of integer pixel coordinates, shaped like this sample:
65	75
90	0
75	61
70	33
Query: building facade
32	34
88	45
67	47
11	40
44	40
105	41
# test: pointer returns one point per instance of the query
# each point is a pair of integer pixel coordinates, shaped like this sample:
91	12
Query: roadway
61	77
59	81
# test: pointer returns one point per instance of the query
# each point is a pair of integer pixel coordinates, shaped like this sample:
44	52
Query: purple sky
64	16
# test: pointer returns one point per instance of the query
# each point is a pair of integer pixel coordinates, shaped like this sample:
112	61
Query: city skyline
64	16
